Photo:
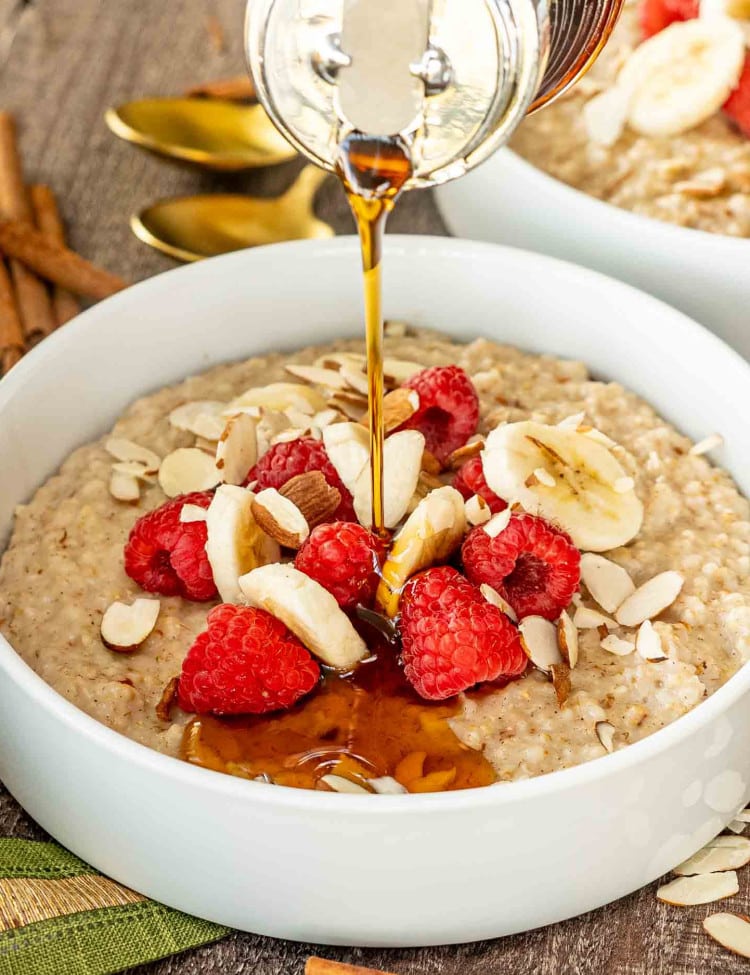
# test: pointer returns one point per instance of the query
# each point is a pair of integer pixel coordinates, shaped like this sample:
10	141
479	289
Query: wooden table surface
62	63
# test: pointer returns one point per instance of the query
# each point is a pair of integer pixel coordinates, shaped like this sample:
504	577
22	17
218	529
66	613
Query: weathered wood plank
70	60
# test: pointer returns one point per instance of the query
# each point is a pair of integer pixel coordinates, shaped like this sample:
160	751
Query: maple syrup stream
370	723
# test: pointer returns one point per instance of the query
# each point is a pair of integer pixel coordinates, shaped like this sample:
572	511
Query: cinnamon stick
322	966
56	263
48	220
34	304
11	331
238	89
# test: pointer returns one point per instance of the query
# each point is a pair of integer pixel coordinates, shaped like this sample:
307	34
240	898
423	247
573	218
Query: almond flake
132	468
699	889
572	422
395	330
402	464
605	115
289	435
317	376
498	523
461	454
650	599
743	816
279	397
737	826
494	597
209	446
623	484
237	449
339	784
601	438
477	510
280	518
567	639
167	700
703	185
191	513
712	442
125	450
325	418
430	463
609	584
605	732
539	641
613	644
386	785
187	469
731	931
722	853
560	674
124	487
589	619
355	379
350	404
125	627
348	448
543	476
398	406
400	370
313	495
203	418
648	643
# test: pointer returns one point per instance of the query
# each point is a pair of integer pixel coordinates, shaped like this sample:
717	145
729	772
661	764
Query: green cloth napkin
59	916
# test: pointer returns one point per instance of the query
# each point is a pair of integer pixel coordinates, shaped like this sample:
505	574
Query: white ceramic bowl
509	201
402	870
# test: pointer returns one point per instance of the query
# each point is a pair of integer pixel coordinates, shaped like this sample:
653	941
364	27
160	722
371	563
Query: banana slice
592	499
431	533
235	543
682	75
736	10
280	397
309	610
402	462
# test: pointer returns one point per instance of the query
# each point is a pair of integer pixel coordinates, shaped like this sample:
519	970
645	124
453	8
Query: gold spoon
192	227
217	134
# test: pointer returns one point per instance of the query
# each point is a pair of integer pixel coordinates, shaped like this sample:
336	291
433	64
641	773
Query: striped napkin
59	916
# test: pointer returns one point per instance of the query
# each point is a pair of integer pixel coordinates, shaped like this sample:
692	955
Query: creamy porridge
64	564
698	176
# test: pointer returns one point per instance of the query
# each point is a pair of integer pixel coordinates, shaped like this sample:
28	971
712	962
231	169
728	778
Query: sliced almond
589	619
432	532
192	513
133	468
539	641
399	406
617	646
270	424
572	422
127	450
722	853
187	469
339	784
743	816
560	674
648	642
605	732
494	597
386	785
313	495
477	510
124	487
650	599
167	700
324	418
237	449
355	379
279	397
543	476
699	889
609	584
731	931
309	610
348	448
280	518
498	523
203	418
567	639
709	443
400	371
331	378
126	626
459	456
402	463
352	406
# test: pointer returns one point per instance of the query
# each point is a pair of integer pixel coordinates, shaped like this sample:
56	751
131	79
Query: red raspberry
164	555
245	662
737	106
452	638
286	460
448	411
655	15
470	480
534	566
344	558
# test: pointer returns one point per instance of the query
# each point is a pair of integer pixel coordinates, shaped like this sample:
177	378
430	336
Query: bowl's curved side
400	870
507	200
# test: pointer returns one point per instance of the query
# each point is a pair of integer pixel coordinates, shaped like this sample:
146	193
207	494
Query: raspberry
448	409
534	566
655	15
737	106
164	555
452	638
286	460
245	662
344	558
470	480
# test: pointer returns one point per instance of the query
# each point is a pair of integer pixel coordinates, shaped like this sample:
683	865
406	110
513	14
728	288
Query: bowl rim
500	794
628	221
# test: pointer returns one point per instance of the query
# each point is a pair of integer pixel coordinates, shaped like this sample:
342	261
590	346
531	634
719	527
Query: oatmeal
698	177
655	625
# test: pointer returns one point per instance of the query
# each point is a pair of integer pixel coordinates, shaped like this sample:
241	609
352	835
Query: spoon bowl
213	133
